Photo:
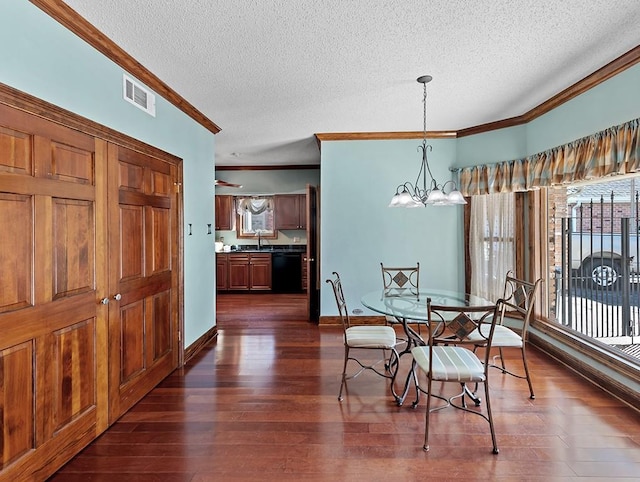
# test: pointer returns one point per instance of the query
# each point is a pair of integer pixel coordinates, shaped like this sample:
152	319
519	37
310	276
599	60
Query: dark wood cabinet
222	270
238	273
223	208
290	211
249	271
260	272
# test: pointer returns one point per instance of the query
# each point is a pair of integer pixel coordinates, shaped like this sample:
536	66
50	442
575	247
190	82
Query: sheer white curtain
491	243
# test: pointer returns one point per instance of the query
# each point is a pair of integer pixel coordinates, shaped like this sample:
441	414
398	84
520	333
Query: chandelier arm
434	184
421	173
449	182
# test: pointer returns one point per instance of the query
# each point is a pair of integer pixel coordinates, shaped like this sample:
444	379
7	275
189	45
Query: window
255	217
491	243
595	258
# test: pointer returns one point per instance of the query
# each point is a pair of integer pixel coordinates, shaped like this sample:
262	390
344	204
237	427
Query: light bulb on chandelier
423	193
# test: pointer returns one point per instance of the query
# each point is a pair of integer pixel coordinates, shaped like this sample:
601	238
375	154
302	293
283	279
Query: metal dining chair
367	337
518	303
400	281
449	357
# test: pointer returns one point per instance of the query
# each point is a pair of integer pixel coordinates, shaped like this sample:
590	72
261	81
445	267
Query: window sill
613	371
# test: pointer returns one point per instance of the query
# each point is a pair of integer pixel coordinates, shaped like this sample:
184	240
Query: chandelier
424	192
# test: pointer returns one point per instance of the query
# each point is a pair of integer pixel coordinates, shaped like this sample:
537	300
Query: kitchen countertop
278	248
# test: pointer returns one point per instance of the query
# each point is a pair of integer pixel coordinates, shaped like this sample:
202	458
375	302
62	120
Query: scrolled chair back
401	281
519	298
336	284
453	324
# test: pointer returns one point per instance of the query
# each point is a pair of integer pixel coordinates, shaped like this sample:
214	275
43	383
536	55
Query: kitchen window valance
254	205
613	151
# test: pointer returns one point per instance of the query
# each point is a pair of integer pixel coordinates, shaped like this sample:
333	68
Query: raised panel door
143	240
302	205
260	272
238	272
290	211
310	260
53	346
222	269
287	211
223	208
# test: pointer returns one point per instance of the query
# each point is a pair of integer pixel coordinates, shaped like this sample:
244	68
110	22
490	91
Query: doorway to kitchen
272	281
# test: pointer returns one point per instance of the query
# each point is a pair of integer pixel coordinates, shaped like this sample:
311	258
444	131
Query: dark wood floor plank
260	403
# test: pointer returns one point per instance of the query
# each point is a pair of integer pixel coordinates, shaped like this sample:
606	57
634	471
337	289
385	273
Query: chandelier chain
424	112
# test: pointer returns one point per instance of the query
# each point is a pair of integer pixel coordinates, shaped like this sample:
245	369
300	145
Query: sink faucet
259	241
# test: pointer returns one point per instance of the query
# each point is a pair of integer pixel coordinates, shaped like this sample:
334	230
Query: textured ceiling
271	73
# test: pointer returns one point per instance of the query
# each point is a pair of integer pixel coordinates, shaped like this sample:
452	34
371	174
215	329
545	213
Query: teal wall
358	179
358	231
492	146
40	57
610	103
268	181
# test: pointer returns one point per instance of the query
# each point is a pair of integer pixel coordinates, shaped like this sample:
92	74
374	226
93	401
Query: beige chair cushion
502	336
450	363
370	337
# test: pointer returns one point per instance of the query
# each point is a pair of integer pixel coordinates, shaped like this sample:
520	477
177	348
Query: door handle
104	301
117	297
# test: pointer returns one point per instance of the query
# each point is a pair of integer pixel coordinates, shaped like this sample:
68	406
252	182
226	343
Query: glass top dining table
406	305
411	308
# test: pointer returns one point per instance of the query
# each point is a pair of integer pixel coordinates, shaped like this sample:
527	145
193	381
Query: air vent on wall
138	95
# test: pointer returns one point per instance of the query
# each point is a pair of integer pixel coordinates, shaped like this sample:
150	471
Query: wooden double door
88	286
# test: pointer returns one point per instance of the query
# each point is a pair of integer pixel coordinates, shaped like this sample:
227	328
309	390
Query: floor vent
138	95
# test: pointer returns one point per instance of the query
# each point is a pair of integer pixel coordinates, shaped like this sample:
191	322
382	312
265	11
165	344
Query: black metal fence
598	280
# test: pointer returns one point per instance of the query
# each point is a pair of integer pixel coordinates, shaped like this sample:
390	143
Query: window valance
613	151
254	205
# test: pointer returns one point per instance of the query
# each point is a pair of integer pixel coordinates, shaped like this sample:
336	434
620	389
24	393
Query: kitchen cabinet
249	271
238	273
223	208
290	211
260	272
222	271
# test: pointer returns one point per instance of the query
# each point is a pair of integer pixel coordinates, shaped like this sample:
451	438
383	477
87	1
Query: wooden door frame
180	265
313	252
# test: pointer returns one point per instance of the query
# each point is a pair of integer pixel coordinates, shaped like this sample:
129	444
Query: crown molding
613	68
71	20
287	167
20	100
383	136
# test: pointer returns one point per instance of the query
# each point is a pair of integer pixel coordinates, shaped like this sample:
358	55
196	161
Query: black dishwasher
286	273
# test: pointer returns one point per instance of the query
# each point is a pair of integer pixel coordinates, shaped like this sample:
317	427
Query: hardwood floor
261	403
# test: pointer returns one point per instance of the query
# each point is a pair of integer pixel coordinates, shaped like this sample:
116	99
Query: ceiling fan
219	182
